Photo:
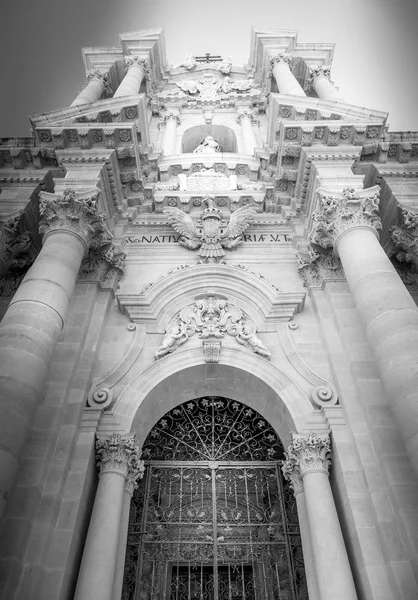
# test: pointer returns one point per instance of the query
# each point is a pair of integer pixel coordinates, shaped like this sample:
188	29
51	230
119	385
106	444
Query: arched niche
225	136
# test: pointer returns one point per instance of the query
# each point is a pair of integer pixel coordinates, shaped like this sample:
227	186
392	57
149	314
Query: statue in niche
208	146
211	234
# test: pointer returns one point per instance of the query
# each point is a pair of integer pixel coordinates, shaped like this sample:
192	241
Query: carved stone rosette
77	213
405	238
339	212
117	454
309	453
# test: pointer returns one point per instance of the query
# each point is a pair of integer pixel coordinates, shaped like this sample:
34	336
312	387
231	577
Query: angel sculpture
211	233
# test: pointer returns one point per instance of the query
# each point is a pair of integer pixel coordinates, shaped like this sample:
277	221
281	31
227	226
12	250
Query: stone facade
197	230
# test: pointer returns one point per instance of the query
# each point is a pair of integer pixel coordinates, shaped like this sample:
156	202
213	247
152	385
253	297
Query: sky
41	69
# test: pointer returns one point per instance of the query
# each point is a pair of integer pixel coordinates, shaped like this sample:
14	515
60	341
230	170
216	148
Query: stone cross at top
208	58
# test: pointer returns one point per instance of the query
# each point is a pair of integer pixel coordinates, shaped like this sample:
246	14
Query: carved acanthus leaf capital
281	57
140	61
405	238
339	212
309	453
247	113
119	454
76	212
16	250
167	115
291	472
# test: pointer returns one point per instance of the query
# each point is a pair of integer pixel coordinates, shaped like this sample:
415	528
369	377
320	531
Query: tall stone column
291	472
36	316
170	120
131	484
320	80
118	458
286	81
246	118
348	222
97	82
131	83
311	455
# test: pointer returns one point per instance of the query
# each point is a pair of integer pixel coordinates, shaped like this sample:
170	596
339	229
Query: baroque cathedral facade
209	335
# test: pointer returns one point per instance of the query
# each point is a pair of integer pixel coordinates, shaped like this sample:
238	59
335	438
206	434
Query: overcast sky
375	59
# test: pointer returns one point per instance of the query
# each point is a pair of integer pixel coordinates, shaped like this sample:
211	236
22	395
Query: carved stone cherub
247	337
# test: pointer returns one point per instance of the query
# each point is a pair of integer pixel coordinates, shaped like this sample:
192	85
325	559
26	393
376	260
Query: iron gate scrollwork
213	519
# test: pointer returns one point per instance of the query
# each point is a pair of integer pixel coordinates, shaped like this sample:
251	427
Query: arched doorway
213	518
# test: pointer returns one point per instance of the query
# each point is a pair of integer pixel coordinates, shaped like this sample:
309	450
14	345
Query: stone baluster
36	315
291	472
320	80
348	221
311	455
246	118
135	472
170	120
118	460
131	83
97	81
286	81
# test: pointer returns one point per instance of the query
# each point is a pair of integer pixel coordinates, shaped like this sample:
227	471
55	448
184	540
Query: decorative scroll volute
75	212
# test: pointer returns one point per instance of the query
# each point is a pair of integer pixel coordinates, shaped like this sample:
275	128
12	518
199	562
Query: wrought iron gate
213	529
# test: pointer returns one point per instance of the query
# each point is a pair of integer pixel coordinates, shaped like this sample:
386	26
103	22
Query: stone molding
75	212
117	454
338	212
310	453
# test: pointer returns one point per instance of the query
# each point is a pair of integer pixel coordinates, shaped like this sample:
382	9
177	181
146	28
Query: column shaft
390	317
308	556
248	136
91	93
28	333
286	81
131	83
325	89
169	138
121	549
330	556
97	569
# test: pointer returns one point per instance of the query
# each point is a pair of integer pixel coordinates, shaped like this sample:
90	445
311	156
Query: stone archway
225	136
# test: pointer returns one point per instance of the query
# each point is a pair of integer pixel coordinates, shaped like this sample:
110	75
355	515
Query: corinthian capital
98	74
75	212
405	238
282	57
167	115
308	454
339	212
140	61
291	473
121	455
247	113
314	74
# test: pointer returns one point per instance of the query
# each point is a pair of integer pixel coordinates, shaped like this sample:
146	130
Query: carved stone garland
211	318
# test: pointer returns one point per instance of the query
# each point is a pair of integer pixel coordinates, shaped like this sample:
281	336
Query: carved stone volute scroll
211	318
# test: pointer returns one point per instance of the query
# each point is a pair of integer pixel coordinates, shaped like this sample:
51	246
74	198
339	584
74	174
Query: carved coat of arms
211	233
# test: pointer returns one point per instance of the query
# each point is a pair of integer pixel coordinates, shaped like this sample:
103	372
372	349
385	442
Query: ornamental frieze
211	318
